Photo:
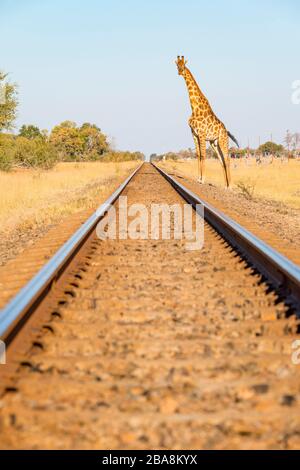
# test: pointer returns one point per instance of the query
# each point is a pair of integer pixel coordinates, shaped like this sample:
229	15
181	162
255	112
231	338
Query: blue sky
112	62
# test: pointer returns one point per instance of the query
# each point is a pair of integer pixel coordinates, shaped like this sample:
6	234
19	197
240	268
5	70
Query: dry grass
279	181
31	198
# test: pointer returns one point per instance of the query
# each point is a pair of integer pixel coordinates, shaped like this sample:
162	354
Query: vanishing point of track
143	344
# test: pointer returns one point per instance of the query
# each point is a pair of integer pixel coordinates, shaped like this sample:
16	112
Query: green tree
67	140
79	143
30	132
94	140
8	102
270	148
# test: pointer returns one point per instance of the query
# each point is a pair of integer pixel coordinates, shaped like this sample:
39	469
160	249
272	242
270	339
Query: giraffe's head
180	62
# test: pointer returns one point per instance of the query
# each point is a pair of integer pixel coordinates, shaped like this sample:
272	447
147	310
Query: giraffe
205	125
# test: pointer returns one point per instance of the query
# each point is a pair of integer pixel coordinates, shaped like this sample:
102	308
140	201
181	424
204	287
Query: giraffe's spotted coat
205	125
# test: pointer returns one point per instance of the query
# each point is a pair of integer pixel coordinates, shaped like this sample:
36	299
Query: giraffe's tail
233	138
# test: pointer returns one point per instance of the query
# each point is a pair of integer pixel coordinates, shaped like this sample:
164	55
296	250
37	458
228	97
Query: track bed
148	345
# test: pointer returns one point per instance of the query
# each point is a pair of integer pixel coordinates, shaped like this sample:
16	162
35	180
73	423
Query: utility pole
288	144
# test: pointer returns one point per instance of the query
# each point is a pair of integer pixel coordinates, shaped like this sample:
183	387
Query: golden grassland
31	198
279	181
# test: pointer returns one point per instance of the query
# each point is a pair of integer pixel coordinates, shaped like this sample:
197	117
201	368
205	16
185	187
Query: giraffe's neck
197	98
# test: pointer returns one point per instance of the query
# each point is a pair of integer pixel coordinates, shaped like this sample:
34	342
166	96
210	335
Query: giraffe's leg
200	165
223	145
198	156
217	150
202	146
216	145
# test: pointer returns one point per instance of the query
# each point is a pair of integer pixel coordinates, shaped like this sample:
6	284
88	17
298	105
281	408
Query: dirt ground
278	181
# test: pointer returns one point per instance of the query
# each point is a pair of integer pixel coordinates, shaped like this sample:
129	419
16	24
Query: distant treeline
33	147
266	149
67	142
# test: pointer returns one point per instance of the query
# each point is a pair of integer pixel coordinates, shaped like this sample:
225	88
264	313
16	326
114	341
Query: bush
116	156
20	151
34	153
247	188
172	156
6	151
92	156
6	158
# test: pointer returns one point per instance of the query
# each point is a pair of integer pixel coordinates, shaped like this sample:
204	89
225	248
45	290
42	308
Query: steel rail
19	309
282	273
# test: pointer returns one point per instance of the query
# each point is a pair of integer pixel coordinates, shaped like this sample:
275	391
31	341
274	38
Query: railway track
143	344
